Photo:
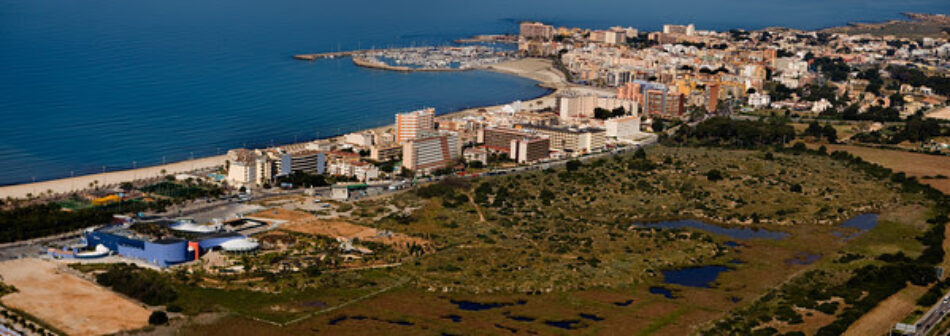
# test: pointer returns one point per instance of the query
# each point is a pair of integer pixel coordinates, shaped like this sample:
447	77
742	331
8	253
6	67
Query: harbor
421	58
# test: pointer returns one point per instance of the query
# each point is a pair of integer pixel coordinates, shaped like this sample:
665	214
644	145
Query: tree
714	175
158	318
814	129
476	164
127	186
573	165
640	154
829	133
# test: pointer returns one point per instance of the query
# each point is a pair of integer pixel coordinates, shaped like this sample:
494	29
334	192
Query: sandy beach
540	70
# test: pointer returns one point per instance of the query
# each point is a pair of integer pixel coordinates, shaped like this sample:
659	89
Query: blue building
162	252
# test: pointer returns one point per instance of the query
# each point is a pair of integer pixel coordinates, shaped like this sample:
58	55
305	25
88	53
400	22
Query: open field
67	302
913	164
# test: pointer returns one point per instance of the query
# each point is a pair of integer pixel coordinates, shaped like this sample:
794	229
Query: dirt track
66	302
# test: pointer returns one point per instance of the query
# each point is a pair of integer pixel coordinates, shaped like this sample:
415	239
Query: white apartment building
759	100
361	139
623	127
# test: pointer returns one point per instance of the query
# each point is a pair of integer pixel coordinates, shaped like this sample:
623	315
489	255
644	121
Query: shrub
158	318
714	175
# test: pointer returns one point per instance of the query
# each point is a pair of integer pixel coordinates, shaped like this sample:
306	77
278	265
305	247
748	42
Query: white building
759	100
582	107
361	139
820	106
623	127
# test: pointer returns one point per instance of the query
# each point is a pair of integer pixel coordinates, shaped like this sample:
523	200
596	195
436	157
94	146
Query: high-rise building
536	31
431	151
529	149
308	161
712	97
664	104
410	125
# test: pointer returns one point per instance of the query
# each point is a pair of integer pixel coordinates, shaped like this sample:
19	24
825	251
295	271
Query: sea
100	85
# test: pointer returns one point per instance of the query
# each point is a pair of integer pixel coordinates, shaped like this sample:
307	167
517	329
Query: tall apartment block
410	125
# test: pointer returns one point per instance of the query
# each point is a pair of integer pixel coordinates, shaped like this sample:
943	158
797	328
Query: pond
863	223
740	233
702	276
666	292
476	306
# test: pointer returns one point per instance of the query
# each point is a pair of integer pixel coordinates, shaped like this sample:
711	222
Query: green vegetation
145	285
184	191
864	282
725	132
47	219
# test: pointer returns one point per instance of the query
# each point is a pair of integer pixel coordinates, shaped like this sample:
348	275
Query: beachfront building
536	31
431	151
254	168
622	127
308	161
410	125
360	139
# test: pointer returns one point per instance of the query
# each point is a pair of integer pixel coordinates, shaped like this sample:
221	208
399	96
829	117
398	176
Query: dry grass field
68	303
879	320
913	164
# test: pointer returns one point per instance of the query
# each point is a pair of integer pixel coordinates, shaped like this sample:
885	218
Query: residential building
663	104
431	151
536	31
576	140
526	150
411	124
499	139
759	100
688	30
622	127
308	161
361	139
385	152
582	107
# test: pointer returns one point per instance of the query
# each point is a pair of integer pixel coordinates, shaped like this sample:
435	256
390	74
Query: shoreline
539	70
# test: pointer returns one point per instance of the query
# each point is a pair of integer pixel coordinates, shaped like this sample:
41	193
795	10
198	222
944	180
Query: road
933	317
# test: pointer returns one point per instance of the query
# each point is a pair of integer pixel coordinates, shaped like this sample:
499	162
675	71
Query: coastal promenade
78	183
540	70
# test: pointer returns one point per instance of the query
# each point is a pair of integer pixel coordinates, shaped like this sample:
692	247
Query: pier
312	57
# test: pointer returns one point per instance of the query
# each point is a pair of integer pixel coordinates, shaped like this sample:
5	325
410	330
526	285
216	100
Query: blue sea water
104	83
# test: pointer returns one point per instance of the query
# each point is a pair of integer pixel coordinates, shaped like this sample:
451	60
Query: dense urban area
683	181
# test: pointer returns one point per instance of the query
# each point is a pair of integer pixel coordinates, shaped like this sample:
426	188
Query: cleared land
67	302
913	164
